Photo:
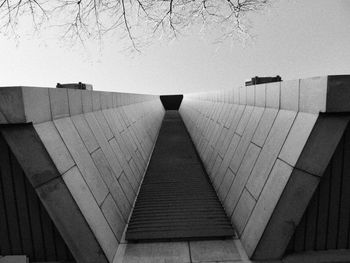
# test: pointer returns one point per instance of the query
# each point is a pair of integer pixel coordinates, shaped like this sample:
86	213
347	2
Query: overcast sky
295	39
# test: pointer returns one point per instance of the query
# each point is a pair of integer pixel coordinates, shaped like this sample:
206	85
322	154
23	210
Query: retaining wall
265	148
85	153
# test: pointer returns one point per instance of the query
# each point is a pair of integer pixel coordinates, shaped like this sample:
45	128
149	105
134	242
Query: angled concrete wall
265	148
85	153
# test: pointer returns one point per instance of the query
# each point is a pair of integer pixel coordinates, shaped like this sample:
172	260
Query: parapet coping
21	104
313	95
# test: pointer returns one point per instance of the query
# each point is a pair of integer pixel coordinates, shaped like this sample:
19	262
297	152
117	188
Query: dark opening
171	102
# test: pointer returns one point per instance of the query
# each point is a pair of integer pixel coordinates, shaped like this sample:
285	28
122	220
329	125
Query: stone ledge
21	104
313	95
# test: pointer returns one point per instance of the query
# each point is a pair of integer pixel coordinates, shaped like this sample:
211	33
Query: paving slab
214	250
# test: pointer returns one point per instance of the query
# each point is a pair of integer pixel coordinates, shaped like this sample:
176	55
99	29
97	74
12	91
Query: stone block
236	95
244	120
30	152
75	102
286	215
112	183
243	95
322	143
243	211
273	94
11	105
86	97
265	205
270	151
213	250
290	95
91	211
241	179
338	96
103	124
264	126
70	222
113	216
250	95
14	259
226	184
55	146
36	104
297	137
313	95
127	188
82	158
104	100
59	103
246	138
85	132
260	95
96	100
156	252
103	143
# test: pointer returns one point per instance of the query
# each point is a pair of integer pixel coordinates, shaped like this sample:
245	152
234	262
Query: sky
293	39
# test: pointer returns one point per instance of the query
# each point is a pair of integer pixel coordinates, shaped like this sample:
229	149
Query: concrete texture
268	142
78	160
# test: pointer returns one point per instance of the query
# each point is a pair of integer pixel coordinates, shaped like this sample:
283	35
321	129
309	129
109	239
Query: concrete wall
85	153
265	148
325	223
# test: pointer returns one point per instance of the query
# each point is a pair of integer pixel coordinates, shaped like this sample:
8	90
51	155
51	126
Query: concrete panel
92	213
297	137
244	120
226	184
86	97
102	141
246	138
241	178
264	126
11	105
55	146
36	104
287	215
171	252
214	251
290	95
242	211
338	95
243	95
96	100
113	216
103	124
322	143
68	219
250	95
85	132
273	94
112	183
59	103
270	151
75	102
313	95
260	95
265	206
82	158
30	152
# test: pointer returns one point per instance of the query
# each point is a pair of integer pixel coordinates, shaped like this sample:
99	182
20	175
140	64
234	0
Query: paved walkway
176	199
